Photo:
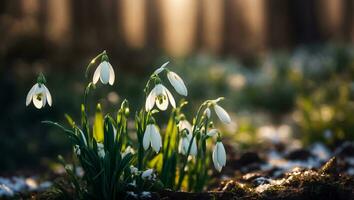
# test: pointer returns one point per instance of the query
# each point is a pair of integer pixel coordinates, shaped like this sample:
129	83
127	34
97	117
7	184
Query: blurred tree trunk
330	18
304	21
133	16
278	22
57	23
349	20
245	23
179	23
211	18
153	24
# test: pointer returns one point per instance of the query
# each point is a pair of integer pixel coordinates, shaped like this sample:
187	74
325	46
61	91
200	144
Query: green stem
182	171
93	62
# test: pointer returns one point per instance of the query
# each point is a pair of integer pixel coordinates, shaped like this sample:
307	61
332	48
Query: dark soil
330	180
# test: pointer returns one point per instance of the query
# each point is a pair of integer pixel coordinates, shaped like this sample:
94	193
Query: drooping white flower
184	124
160	96
128	150
77	150
133	170
219	156
183	146
207	113
160	69
105	73
152	138
212	132
177	83
39	95
100	150
222	114
148	174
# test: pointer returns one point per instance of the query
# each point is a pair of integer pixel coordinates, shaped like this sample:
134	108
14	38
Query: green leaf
98	133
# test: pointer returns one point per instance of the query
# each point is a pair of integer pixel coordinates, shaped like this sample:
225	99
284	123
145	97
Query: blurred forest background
285	67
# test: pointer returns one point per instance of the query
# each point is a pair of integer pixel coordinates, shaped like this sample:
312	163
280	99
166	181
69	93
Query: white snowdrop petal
180	146
212	132
159	89
158	70
38	96
171	99
222	114
96	75
215	161
147	174
162	102
44	99
185	145
165	64
104	75
150	100
156	142
111	74
127	151
177	83
147	137
37	103
30	94
48	95
194	148
221	154
207	112
184	124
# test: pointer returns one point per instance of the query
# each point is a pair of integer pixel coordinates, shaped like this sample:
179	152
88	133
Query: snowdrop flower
222	114
133	170
40	95
104	72
219	156
77	150
183	146
152	137
177	83
207	113
128	150
160	69
100	150
212	132
184	124
148	174
160	96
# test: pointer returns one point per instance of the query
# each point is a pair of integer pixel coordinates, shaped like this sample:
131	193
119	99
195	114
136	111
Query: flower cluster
109	156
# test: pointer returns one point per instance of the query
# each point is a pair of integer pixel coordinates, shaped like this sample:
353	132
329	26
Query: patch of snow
350	160
264	187
5	191
350	171
132	194
13	185
145	194
321	151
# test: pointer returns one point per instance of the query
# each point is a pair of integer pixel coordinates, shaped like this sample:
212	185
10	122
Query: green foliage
105	150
